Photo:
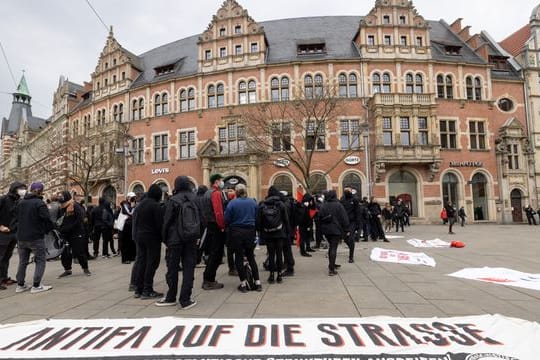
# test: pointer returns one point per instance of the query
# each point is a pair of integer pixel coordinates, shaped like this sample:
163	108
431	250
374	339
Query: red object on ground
457	244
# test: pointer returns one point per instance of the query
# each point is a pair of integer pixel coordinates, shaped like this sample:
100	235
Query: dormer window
163	70
452	50
238	29
311	49
386	19
222	32
254	47
498	62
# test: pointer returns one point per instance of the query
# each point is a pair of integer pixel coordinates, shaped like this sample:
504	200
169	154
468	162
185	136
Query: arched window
220	95
376	83
348	85
211	96
274	89
252	92
138	189
386	82
121	112
165	104
115	113
477	88
157	105
469	87
187	99
450	184
318	85
342	81
449	87
183	101
419	84
141	108
480	197
242	92
354	182
109	193
283	183
284	88
353	85
317	184
134	110
414	83
279	90
308	87
440	87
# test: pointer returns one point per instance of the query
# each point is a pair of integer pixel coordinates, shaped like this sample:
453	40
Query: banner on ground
501	276
435	243
487	337
401	257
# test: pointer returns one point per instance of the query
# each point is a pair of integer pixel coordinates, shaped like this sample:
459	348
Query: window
318	85
452	50
123	75
387	131
311	49
106	65
317	184
414	83
252	92
238	29
106	82
445	87
187	100
513	156
232	139
422	131
386	19
222	52
348	85
254	47
448	134
403	40
387	40
404	126
279	90
474	88
419	41
222	32
75	129
238	50
281	136
98	85
450	184
115	113
211	96
402	20
157	105
114	79
187	144
208	55
220	95
121	112
308	87
161	147
350	134
141	108
242	92
114	62
477	135
315	135
371	40
284	183
505	104
165	104
381	84
354	182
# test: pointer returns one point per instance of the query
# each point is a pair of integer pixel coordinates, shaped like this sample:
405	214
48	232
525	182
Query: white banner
487	337
401	257
501	276
394	237
435	243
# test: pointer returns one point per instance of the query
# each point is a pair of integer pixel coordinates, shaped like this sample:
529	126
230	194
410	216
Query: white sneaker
41	288
21	289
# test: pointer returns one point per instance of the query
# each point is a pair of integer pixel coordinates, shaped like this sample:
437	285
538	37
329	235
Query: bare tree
292	132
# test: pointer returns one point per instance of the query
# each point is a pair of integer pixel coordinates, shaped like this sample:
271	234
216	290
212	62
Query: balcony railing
407	154
391	99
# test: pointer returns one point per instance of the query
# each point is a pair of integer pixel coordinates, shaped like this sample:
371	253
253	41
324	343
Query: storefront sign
352	160
466	164
160	171
486	337
282	162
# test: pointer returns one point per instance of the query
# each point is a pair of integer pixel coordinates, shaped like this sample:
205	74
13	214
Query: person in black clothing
8	229
125	238
147	222
179	248
462	215
203	249
334	226
288	257
364	218
399	215
274	236
72	230
102	221
305	224
351	206
529	212
451	216
375	211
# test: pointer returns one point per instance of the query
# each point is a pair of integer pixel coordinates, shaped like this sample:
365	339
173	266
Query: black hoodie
33	218
333	217
148	216
274	199
8	204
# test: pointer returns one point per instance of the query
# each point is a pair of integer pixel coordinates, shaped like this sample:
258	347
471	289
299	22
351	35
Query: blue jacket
241	212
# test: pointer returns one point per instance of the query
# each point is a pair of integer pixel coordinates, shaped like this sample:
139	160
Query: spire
22	89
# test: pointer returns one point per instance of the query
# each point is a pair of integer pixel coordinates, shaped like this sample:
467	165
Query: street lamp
126	152
365	130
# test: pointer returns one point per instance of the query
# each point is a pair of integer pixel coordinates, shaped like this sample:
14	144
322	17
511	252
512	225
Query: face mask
221	185
21	192
306	203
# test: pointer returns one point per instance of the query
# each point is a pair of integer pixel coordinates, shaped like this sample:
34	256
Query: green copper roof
23	87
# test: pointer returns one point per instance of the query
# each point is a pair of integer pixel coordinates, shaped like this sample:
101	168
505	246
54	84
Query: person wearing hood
334	226
147	222
102	223
8	229
305	224
351	205
34	222
273	225
72	230
181	233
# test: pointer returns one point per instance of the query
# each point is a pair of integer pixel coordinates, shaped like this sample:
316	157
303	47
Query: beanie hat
182	183
215	177
37	186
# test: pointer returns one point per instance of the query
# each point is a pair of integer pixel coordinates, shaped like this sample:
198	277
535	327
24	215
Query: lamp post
365	129
126	152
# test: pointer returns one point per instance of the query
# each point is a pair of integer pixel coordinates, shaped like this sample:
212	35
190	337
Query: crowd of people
195	226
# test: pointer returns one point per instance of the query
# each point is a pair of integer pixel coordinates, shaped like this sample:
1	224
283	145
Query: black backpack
250	281
188	220
107	218
272	220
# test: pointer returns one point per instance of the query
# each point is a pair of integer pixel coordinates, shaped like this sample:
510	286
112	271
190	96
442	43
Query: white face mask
21	192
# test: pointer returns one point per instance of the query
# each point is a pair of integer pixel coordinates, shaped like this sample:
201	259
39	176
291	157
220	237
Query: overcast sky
49	38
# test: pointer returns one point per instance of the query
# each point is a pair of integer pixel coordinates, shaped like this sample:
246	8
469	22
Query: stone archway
479	185
404	185
516	199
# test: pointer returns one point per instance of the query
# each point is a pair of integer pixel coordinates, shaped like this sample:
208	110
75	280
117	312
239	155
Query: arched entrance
232	181
109	193
165	188
284	183
403	185
138	189
353	181
450	184
317	184
480	197
517	206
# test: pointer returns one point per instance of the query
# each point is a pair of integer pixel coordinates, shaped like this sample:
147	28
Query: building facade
428	112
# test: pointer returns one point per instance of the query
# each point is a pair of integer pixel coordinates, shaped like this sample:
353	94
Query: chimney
456	25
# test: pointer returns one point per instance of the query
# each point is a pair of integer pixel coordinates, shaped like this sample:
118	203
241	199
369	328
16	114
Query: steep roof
442	35
514	43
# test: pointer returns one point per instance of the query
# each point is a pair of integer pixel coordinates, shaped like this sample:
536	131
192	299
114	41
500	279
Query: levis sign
160	171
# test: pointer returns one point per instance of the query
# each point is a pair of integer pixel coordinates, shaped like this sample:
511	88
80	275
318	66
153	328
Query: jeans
217	240
333	241
24	249
7	244
242	241
187	251
148	254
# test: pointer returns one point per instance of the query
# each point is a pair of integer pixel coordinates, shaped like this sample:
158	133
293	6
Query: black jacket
351	205
97	215
148	220
73	223
8	205
33	218
284	232
333	217
169	232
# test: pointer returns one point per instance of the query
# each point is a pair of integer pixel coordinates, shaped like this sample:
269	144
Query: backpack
188	220
271	217
250	281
